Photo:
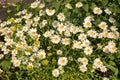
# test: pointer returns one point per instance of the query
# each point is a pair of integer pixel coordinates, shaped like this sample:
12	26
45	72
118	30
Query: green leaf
93	5
5	65
86	7
115	70
56	5
112	63
105	2
18	7
67	1
119	1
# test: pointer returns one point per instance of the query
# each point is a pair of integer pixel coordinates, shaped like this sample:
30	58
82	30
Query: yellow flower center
50	11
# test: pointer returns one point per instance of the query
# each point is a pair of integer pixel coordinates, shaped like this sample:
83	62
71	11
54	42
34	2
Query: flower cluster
34	38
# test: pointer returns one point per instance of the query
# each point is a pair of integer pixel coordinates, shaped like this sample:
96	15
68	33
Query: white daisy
86	43
84	61
83	68
113	28
61	28
68	5
103	69
36	18
16	63
103	25
41	54
113	49
42	5
50	12
27	16
55	39
98	63
14	52
29	21
1	56
61	17
34	4
78	4
88	50
55	72
59	52
55	24
89	18
107	11
87	24
62	61
97	10
106	49
111	20
77	44
105	78
82	36
73	29
66	41
92	33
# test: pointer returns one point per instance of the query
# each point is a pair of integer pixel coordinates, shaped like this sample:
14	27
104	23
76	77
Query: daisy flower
89	18
29	21
77	44
113	28
59	52
62	61
16	63
112	49
19	34
78	4
1	56
61	28
84	61
83	68
105	78
27	16
106	49
88	50
50	12
36	18
87	24
42	5
55	72
66	41
97	10
86	43
34	4
98	63
41	13
103	25
82	36
67	33
3	24
92	33
55	24
55	39
14	52
73	29
61	17
111	44
107	11
68	5
41	54
30	66
111	20
103	69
